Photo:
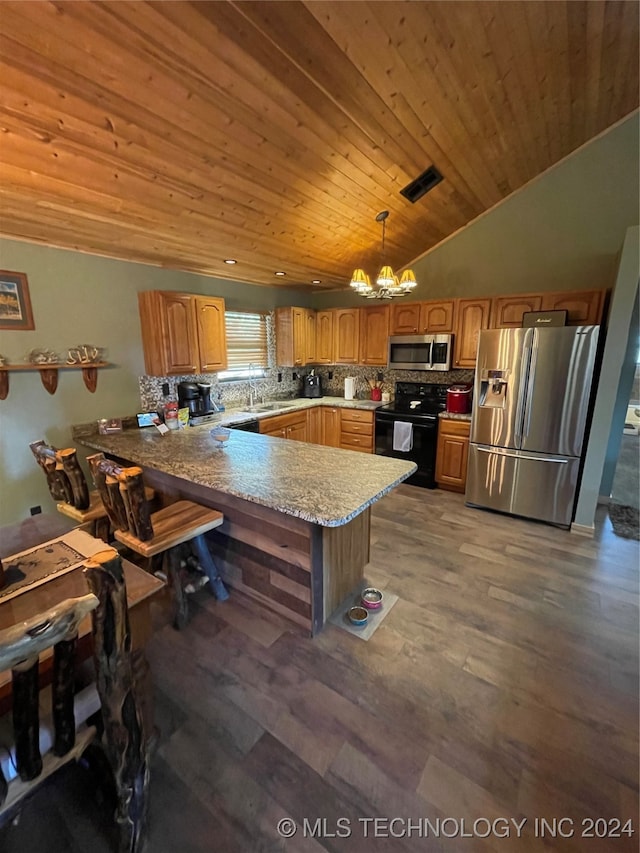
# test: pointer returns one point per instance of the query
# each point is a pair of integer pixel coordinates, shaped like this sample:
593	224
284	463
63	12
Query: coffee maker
195	396
311	385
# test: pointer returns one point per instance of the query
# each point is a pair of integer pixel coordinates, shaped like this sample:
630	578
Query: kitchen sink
269	407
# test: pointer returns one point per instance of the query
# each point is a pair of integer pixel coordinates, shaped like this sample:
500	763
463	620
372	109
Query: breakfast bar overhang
296	525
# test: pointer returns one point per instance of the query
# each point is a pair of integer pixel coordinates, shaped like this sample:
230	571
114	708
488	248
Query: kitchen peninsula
296	530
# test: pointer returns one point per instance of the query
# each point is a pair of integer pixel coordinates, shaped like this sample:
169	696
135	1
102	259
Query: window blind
246	344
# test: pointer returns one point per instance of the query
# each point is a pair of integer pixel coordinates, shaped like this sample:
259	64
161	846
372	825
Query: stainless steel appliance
413	416
311	385
531	400
420	352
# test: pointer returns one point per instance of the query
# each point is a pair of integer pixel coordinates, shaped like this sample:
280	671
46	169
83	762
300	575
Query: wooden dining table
142	588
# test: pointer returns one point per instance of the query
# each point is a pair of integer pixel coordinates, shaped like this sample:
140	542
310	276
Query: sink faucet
253	391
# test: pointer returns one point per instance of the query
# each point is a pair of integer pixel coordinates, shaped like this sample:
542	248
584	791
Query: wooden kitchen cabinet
374	335
292	425
291	336
182	333
584	307
356	430
420	318
405	318
436	317
330	426
507	311
314	425
324	337
310	336
452	454
346	335
472	315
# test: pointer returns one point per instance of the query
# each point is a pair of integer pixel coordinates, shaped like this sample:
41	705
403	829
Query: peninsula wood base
298	569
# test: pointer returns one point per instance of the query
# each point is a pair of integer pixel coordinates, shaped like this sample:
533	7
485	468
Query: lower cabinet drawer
356	428
357	415
350	441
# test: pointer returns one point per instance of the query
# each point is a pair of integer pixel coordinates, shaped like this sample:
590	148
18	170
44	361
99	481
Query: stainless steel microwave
420	352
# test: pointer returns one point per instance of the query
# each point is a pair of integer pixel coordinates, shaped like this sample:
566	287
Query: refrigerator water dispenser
493	388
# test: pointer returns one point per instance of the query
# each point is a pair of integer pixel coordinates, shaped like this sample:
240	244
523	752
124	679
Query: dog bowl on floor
358	615
371	598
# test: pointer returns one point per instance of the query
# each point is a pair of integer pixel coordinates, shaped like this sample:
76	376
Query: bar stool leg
199	544
174	577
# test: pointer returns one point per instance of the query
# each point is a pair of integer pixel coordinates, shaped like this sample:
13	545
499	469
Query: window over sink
247	350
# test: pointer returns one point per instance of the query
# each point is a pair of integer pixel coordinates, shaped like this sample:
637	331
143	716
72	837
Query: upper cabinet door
507	311
346	333
212	343
324	337
472	316
374	334
310	337
584	307
181	346
437	317
291	336
405	318
299	325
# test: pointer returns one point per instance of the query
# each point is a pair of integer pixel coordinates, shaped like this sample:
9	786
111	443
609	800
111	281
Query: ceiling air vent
422	184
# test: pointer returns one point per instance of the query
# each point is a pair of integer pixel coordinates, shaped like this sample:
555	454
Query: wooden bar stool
68	487
125	739
150	534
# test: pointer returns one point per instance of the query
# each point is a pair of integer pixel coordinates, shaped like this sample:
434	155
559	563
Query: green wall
561	232
77	299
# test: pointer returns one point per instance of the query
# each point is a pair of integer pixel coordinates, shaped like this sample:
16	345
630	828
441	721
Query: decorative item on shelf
387	283
85	354
42	356
3	360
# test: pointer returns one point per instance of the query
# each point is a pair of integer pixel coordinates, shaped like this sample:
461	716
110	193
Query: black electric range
408	428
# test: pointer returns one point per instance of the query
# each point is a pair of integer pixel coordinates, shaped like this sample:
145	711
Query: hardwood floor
503	684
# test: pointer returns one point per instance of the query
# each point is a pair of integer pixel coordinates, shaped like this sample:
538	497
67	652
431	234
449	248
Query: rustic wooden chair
124	737
68	487
151	534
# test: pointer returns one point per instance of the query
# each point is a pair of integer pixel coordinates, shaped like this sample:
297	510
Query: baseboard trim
583	529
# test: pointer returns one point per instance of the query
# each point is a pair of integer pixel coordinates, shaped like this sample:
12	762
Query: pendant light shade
387	284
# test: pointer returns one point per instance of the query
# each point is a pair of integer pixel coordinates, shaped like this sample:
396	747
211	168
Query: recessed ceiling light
280	273
230	261
316	281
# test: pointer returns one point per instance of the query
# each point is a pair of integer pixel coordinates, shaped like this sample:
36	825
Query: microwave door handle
431	346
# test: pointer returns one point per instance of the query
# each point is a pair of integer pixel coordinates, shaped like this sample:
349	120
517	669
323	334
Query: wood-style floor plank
503	683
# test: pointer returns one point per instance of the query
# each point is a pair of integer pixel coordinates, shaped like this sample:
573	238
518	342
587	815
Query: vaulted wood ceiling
181	134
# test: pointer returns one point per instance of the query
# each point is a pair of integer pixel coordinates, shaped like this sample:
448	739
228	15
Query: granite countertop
455	416
322	485
236	415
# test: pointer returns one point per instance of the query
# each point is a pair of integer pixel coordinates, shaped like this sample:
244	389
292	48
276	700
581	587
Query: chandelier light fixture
387	283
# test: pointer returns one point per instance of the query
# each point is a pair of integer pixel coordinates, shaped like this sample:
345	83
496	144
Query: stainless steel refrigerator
530	407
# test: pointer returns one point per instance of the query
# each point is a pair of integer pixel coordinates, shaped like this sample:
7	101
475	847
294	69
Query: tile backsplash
237	393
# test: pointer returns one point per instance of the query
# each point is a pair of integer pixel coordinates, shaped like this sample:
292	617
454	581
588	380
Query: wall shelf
49	374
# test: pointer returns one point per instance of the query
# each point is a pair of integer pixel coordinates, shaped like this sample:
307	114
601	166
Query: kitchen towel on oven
402	436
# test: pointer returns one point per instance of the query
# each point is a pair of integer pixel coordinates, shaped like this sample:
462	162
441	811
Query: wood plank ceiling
181	134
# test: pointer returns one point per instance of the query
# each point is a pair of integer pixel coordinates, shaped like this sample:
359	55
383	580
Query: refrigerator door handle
529	393
524	370
482	449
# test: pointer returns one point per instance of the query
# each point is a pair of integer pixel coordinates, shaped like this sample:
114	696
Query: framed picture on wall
15	304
